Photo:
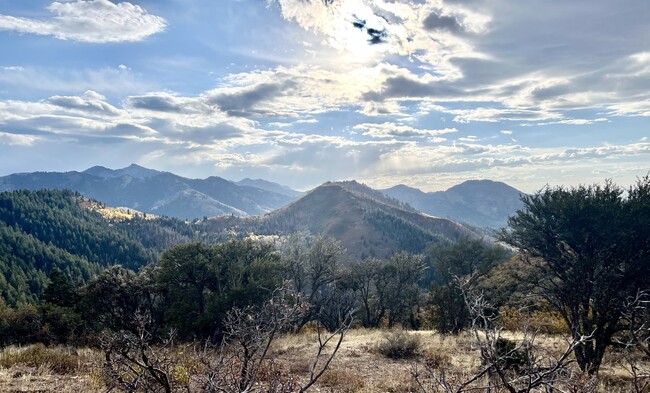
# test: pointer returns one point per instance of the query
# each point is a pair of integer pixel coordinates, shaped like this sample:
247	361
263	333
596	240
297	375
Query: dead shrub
437	360
400	344
38	355
342	381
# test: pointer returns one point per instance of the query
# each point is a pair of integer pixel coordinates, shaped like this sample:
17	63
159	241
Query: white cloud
576	122
94	21
392	130
90	102
71	81
17	139
296	91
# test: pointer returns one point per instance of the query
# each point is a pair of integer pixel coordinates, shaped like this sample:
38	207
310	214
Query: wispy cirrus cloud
392	130
17	139
93	21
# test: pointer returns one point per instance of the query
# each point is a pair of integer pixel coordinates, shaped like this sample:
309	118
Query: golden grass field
358	367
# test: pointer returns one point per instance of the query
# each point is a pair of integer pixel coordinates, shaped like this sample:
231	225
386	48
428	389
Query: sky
427	93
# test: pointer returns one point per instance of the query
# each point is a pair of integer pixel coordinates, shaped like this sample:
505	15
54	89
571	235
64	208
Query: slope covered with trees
47	229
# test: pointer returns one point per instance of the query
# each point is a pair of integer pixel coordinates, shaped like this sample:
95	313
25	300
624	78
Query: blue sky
424	93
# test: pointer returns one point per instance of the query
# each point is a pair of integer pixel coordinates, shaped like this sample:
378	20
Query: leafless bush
514	366
240	363
243	364
635	342
133	365
241	360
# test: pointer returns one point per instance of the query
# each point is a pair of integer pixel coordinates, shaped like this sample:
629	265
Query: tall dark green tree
591	246
200	283
59	291
400	281
113	299
466	258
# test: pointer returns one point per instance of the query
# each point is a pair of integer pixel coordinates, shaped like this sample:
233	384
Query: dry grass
357	368
36	368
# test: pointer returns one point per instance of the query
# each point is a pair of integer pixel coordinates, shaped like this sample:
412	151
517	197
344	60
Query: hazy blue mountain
364	221
482	203
151	191
270	186
132	170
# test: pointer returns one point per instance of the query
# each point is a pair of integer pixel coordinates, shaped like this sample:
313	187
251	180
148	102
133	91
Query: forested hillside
46	229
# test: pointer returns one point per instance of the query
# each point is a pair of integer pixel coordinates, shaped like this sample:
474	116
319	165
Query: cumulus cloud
90	101
154	118
295	91
371	30
488	53
162	102
243	102
94	21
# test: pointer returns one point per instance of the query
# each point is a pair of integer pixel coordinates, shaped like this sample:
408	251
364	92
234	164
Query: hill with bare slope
364	221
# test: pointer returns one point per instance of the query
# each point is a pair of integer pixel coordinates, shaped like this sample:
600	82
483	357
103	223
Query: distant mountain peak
136	170
482	203
485	186
152	191
355	187
269	186
133	170
367	223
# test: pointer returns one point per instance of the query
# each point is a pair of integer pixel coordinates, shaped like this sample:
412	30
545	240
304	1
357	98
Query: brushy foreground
368	361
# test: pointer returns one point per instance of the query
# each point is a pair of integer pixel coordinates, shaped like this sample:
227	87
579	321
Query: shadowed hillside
364	221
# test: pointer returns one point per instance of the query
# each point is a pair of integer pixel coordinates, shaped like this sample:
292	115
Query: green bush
513	356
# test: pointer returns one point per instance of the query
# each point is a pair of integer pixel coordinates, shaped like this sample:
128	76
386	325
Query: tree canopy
591	245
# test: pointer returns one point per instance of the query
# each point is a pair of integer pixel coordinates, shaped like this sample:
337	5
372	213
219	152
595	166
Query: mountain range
160	193
41	230
481	203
